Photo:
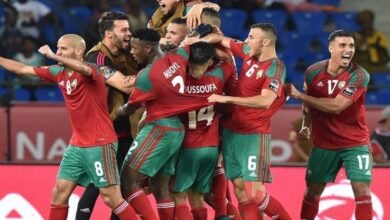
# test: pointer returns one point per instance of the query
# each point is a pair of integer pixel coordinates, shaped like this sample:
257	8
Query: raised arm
75	65
16	67
194	15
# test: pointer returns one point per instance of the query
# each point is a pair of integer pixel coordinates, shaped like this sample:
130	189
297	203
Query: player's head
260	37
200	58
176	31
144	43
71	46
168	7
114	26
211	17
341	47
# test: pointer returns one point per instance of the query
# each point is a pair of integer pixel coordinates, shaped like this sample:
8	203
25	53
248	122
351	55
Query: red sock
183	213
199	213
249	211
218	189
232	211
166	209
141	204
58	212
273	208
125	212
363	209
309	208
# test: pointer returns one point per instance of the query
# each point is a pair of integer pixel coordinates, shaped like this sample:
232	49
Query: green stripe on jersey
310	75
143	82
217	72
360	77
245	48
276	70
56	69
182	52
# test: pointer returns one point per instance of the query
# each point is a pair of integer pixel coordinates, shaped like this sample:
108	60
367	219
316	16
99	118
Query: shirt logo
350	90
274	85
102	180
320	84
253	174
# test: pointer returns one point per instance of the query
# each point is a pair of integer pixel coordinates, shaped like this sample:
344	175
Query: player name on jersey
171	70
209	88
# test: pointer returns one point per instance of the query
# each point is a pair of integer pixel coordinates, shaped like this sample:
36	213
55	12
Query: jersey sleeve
231	79
275	77
48	73
239	48
357	85
100	59
143	89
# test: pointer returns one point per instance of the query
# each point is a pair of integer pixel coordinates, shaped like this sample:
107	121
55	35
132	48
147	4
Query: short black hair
201	52
211	12
266	27
147	35
338	33
106	21
181	21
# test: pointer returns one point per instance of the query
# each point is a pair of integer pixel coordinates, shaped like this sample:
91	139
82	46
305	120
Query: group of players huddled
163	111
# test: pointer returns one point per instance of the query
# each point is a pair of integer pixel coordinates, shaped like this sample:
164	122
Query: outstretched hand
194	16
292	91
129	81
46	51
214	98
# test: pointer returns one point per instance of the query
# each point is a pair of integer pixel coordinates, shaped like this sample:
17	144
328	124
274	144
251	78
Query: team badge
274	85
341	84
350	90
259	74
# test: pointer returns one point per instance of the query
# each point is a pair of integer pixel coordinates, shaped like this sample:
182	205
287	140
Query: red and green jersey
347	129
254	77
202	124
86	103
160	87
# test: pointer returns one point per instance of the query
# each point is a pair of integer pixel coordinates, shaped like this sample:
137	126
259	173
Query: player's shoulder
359	75
276	69
143	81
98	57
314	70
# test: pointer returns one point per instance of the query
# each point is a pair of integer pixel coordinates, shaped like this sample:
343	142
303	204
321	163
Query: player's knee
361	189
160	191
58	195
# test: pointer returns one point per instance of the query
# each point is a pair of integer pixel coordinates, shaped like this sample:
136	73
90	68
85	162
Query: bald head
71	45
75	41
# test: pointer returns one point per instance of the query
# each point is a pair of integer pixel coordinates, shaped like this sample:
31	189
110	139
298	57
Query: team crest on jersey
259	74
274	85
350	90
341	84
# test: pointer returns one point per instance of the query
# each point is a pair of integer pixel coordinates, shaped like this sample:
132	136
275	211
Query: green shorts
195	169
96	164
247	156
324	164
156	147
